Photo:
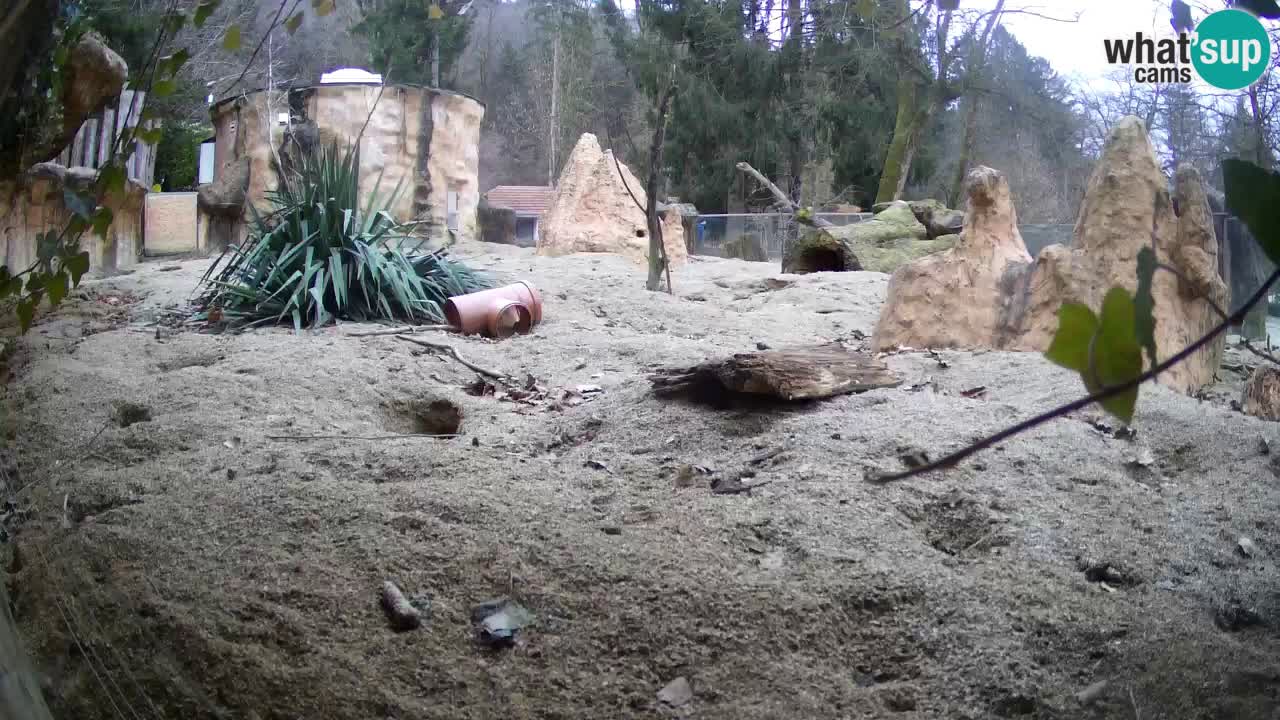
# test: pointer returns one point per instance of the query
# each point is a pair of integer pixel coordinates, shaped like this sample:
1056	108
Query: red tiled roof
524	199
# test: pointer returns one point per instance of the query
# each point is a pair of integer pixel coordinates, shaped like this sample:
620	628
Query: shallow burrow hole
423	416
128	413
820	259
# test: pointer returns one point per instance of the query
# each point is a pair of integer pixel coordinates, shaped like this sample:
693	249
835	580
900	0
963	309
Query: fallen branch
402	330
461	360
399	436
801	217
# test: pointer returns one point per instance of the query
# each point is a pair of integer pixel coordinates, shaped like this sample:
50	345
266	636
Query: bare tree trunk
555	95
1255	323
978	61
435	61
657	250
897	161
966	151
1259	131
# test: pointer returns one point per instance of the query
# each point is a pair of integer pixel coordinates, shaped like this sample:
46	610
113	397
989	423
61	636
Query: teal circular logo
1231	49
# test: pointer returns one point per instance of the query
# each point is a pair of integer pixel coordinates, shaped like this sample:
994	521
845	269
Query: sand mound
218	569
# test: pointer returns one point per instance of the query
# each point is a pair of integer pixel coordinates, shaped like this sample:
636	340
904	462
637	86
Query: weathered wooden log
806	373
802	216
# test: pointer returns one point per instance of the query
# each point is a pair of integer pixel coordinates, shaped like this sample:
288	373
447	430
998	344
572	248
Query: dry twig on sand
449	349
408	330
399	436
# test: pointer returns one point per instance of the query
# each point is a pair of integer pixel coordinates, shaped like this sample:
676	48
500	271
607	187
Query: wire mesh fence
754	236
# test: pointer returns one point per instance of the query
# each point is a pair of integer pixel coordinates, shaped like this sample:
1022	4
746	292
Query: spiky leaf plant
317	256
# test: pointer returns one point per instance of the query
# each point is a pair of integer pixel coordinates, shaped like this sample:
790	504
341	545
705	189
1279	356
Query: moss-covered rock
891	238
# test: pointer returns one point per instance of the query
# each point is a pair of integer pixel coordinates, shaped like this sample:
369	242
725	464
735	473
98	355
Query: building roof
524	199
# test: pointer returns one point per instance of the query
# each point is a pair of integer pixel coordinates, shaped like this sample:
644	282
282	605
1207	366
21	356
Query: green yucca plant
316	256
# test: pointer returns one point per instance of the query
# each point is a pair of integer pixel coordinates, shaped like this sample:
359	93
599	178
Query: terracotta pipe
508	317
468	313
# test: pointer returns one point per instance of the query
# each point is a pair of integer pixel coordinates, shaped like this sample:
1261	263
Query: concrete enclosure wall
172	224
423	139
35	204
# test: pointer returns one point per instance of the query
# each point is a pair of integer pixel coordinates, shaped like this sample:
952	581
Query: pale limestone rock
35	203
959	297
1126	207
594	212
423	140
983	294
94	77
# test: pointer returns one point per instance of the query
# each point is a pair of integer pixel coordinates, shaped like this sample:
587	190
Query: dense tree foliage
811	92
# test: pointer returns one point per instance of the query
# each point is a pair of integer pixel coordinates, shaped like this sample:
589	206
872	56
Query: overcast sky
1074	49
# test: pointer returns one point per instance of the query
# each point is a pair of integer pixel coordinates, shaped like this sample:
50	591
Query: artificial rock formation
221	203
423	140
882	244
961	297
986	293
594	212
36	203
95	76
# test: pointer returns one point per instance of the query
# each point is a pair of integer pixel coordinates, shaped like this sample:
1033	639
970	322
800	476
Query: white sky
1074	49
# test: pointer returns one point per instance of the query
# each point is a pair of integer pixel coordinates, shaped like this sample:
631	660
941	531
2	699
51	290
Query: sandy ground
203	569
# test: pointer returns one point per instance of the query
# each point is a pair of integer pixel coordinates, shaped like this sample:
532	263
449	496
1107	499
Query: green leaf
57	287
1144	304
322	7
26	313
203	11
77	265
170	65
46	246
174	22
102	221
111	179
231	41
1117	357
77	226
1253	195
1262	8
293	23
1070	347
150	136
163	88
79	204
